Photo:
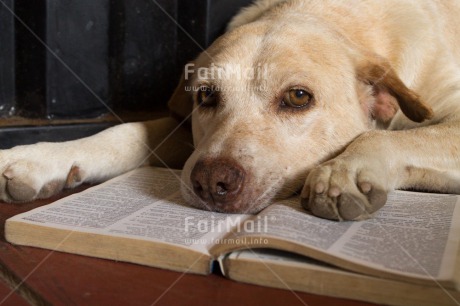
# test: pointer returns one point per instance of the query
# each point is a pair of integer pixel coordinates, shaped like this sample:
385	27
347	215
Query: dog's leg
355	184
43	169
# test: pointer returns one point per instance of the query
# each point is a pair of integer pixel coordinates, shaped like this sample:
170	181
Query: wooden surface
44	277
10	297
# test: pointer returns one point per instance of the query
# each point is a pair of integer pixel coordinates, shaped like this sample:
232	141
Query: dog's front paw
344	190
31	172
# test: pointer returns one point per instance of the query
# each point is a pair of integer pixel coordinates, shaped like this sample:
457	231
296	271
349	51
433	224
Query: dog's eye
206	97
297	98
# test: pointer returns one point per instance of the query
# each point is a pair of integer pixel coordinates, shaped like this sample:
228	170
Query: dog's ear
181	102
389	92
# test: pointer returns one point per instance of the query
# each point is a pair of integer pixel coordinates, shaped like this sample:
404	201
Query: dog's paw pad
351	206
50	189
377	197
28	172
340	191
20	191
19	185
322	206
361	205
74	177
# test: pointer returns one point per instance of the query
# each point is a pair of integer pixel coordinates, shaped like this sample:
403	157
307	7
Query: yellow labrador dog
345	99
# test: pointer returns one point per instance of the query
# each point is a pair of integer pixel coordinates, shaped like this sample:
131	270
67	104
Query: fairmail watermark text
257	225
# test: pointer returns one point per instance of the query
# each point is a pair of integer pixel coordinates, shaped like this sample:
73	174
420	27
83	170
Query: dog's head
269	103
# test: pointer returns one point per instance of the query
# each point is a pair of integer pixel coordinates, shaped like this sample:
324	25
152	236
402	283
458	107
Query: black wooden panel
192	37
202	22
30	58
62	63
7	84
13	136
145	66
108	53
77	64
220	13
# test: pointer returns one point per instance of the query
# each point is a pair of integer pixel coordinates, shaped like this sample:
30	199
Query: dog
344	101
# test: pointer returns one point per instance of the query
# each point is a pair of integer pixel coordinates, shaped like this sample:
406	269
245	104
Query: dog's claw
319	188
334	192
348	194
365	187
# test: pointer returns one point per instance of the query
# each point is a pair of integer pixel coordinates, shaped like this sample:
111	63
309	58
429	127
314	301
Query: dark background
70	68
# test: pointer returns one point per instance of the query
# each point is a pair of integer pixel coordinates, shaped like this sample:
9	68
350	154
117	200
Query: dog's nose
217	181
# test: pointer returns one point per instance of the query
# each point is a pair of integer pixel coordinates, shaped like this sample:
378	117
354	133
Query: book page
142	204
286	270
414	234
270	255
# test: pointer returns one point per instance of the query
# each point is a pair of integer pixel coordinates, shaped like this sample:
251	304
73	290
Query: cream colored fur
360	59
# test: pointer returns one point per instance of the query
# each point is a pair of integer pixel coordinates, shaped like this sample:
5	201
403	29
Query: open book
406	254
